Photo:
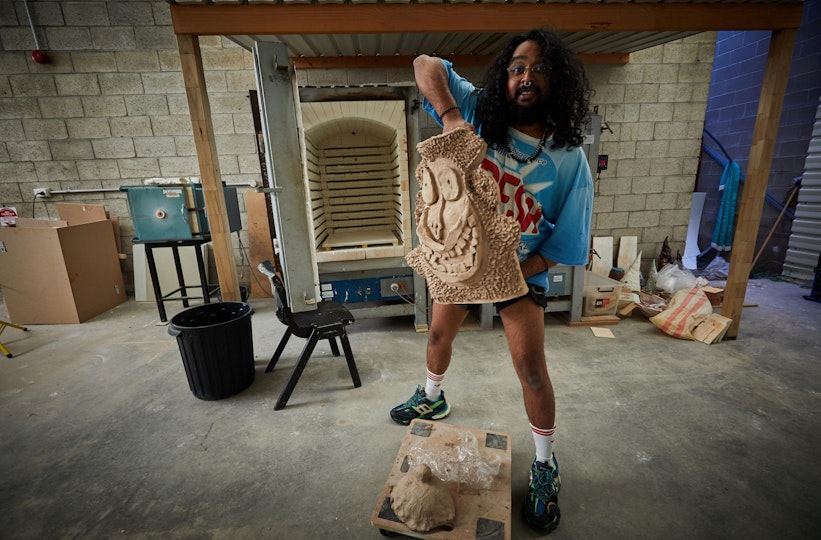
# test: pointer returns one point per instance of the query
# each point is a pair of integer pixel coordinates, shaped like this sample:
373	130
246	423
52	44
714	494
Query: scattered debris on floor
603	332
672	297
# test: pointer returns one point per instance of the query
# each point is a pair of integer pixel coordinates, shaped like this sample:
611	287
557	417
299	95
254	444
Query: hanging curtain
725	222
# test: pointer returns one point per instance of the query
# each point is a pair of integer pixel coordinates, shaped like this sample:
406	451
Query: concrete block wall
652	113
110	110
731	112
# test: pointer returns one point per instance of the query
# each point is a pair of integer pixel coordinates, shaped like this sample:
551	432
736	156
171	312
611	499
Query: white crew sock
544	439
433	385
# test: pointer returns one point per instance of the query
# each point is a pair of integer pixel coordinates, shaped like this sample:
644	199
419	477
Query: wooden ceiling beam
355	62
307	19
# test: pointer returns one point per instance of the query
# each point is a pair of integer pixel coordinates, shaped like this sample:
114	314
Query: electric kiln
341	165
342	199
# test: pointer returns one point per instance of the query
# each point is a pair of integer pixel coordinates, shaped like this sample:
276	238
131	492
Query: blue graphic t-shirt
551	198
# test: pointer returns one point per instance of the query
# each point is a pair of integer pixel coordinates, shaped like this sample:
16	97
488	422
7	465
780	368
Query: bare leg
524	328
445	322
444	325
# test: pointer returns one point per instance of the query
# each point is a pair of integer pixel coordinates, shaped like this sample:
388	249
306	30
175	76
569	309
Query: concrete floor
658	437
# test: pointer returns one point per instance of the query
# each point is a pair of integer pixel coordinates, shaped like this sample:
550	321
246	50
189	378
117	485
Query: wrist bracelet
446	111
544	261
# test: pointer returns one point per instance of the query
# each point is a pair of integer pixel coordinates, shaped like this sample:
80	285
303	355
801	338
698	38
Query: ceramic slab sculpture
631	277
422	501
466	251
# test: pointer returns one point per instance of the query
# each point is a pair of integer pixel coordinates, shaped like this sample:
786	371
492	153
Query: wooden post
776	75
210	176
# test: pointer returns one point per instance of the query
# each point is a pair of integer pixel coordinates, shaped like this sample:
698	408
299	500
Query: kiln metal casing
339	228
175	212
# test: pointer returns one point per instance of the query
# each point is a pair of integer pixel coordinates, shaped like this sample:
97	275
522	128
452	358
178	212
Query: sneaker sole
442	414
550	527
437	416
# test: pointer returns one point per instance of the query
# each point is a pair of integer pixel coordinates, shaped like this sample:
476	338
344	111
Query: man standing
530	112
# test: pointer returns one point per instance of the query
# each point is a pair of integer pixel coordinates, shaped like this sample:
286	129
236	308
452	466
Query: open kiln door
285	155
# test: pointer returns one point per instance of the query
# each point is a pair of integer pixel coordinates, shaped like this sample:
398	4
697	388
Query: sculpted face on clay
466	251
448	227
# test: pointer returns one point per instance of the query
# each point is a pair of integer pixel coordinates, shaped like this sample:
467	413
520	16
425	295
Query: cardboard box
57	272
601	295
75	214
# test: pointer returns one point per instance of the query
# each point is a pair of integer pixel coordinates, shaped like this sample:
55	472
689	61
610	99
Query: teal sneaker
418	406
541	507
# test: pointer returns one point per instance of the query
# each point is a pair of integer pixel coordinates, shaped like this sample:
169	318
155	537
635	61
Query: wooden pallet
480	513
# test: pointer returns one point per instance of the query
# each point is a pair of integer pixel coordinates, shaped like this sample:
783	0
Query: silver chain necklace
520	157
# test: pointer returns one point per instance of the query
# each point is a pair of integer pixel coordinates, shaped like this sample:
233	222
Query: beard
532	114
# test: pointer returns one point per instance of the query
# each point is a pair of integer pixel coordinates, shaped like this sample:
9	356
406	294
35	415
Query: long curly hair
567	108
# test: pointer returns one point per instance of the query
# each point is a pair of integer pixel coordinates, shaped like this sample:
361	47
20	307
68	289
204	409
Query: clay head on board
422	501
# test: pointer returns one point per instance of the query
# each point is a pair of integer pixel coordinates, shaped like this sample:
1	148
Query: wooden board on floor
591	320
603	262
627	252
480	512
712	330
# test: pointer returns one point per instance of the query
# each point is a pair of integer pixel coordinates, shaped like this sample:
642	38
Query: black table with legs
204	290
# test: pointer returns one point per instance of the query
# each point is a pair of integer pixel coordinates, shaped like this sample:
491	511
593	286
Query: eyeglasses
517	71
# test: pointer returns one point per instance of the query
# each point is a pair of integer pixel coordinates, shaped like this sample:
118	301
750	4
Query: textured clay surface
422	501
467	251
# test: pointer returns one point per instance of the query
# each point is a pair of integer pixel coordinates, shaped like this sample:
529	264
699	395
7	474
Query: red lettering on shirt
525	209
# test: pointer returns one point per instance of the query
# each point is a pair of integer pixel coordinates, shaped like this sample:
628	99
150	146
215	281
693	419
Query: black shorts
537	293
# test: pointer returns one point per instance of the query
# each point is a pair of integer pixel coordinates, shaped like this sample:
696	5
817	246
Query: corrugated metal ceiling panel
446	44
319	45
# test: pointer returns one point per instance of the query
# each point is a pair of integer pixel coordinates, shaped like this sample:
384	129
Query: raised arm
432	80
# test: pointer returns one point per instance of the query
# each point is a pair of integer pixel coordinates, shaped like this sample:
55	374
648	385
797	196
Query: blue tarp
725	222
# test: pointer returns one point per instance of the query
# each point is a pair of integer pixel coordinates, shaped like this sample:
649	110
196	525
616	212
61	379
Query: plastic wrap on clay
462	463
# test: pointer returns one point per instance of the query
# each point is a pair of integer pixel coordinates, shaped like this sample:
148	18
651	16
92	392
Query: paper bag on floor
686	310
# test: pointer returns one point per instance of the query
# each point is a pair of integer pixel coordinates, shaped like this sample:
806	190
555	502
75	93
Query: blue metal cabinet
175	212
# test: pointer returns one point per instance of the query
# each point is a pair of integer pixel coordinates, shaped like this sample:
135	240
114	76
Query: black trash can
217	348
